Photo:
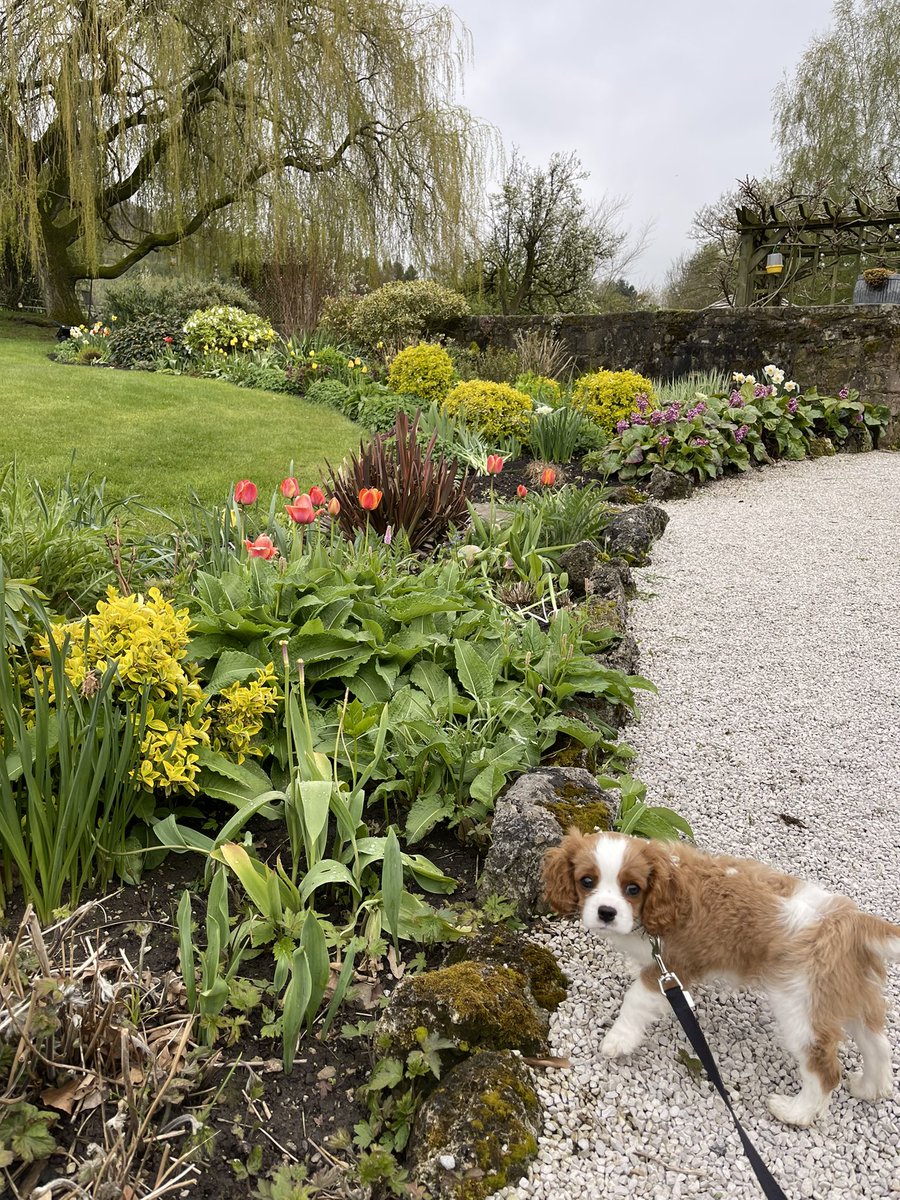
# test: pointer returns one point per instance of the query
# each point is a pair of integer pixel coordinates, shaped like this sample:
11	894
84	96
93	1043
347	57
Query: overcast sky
667	103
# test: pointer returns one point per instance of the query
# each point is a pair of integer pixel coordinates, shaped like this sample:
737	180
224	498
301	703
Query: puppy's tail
882	937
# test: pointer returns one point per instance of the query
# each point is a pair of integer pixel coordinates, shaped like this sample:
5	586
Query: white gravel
770	623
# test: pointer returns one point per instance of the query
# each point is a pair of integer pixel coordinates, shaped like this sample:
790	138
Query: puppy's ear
560	891
665	896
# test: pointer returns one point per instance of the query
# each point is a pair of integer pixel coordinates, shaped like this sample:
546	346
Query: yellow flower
244	345
315	366
364	370
379	345
233	342
312	354
114	317
357	362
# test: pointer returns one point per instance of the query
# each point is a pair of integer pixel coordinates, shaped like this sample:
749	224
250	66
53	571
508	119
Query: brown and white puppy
817	957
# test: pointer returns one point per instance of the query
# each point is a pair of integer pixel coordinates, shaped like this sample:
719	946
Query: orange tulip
548	477
370	498
494	464
245	491
263	547
290	487
334	506
301	512
521	491
316	495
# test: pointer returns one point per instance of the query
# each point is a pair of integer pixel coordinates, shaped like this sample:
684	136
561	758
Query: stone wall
825	347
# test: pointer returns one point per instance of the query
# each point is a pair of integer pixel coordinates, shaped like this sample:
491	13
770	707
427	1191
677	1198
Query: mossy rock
473	1004
626	493
820	447
589	818
502	947
859	440
600	613
478	1130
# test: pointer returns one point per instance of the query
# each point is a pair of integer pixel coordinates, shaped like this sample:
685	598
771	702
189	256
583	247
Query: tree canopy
837	117
128	125
543	247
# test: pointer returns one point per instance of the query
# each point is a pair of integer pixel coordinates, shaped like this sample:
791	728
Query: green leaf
387	1073
391	881
487	783
421	604
326	871
474	673
233	666
424	814
296	1005
314	946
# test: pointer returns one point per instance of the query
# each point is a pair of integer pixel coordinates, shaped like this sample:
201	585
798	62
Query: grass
156	435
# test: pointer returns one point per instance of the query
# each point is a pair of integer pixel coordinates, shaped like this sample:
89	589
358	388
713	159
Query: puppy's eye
586	881
632	889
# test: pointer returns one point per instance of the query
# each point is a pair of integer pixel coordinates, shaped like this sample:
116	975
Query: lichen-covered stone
820	447
473	1004
579	562
484	1117
525	828
631	533
859	440
622	655
502	947
668	485
604	612
625	493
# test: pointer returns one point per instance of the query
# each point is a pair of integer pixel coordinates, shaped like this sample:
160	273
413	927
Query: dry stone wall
825	347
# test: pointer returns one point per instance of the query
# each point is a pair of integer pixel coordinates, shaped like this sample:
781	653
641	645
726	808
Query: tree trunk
58	278
58	287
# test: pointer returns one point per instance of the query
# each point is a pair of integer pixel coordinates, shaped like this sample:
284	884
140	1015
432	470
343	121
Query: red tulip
168	340
290	487
245	491
263	547
521	491
548	477
334	506
494	464
316	495
301	512
370	498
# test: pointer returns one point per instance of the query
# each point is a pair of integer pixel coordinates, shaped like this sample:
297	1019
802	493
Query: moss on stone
538	965
486	1114
475	1004
820	447
599	613
586	817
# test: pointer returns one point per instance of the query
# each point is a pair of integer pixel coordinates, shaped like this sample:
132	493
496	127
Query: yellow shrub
241	709
609	396
495	409
424	371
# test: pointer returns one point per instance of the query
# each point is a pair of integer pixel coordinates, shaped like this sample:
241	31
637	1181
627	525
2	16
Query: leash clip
667	978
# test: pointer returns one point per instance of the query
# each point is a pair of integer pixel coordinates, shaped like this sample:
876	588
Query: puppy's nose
606	914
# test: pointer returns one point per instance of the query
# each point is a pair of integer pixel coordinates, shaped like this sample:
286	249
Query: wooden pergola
810	237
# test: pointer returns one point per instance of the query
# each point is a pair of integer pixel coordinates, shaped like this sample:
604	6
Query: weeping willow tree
126	126
837	116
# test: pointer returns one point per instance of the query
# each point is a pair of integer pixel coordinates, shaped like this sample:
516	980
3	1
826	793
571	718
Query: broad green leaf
421	604
474	673
252	874
391	881
186	953
424	814
296	1005
315	800
326	871
487	784
233	666
387	1073
314	946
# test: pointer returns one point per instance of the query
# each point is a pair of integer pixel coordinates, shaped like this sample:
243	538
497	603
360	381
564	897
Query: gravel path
770	624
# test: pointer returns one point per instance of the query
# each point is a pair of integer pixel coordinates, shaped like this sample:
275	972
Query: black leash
682	1004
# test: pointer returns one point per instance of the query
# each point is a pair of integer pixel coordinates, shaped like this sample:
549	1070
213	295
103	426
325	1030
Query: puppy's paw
620	1040
870	1087
795	1110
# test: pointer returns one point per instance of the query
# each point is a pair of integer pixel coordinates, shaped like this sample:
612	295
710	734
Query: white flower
739	378
791	386
770	370
751	379
543	410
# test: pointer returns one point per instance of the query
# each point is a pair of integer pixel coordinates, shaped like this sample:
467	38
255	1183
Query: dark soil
306	1116
515	472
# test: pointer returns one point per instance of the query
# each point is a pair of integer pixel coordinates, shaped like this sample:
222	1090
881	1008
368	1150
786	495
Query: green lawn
159	435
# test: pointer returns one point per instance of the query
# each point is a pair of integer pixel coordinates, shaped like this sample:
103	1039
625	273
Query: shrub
142	341
330	392
377	407
609	396
540	388
494	363
541	352
397	312
419	491
425	371
496	409
226	329
172	299
556	435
